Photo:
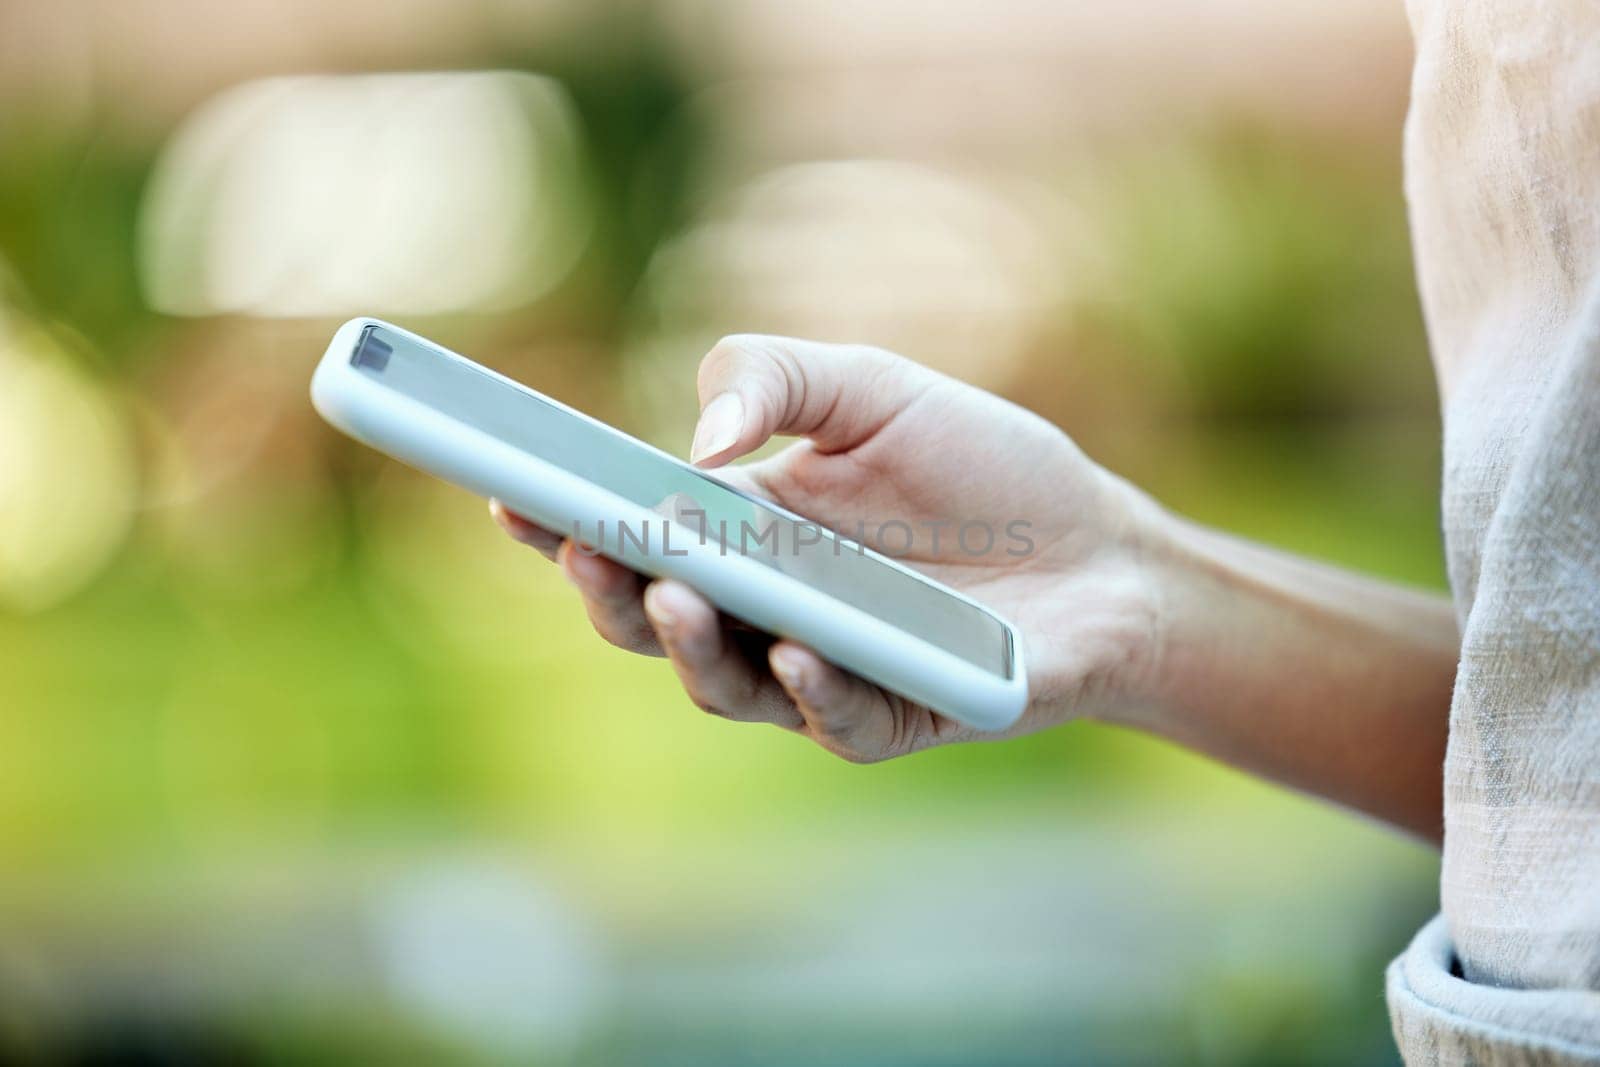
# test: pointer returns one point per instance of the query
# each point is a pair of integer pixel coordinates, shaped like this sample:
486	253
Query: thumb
753	386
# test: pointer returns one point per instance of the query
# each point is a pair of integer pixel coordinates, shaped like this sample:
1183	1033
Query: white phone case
761	596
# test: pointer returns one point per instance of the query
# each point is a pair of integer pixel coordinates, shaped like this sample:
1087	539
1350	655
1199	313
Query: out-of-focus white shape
67	473
479	949
415	193
943	269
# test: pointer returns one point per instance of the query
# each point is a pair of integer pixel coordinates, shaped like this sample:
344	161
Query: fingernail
788	671
720	425
576	562
514	526
663	617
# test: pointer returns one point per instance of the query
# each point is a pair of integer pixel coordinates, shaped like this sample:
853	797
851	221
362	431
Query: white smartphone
759	563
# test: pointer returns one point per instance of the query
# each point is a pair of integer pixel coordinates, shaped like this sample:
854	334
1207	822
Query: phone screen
701	506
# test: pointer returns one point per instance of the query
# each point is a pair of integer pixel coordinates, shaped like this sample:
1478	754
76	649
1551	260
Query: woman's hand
1329	681
886	441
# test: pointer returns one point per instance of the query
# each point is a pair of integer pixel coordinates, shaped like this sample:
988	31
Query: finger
548	543
844	714
613	597
754	386
528	533
715	672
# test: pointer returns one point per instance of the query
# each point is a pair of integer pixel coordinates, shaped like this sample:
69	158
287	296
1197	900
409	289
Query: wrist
1099	636
1226	616
1177	589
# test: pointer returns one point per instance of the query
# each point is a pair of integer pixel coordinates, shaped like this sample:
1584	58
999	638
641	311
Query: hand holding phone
884	439
999	528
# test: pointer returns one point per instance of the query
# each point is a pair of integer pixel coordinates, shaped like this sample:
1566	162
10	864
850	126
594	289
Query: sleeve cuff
1439	1018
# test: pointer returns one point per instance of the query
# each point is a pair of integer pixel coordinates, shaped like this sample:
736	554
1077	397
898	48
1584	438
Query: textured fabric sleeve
1503	180
1439	1018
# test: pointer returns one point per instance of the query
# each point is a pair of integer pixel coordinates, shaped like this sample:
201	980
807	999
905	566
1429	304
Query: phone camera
372	352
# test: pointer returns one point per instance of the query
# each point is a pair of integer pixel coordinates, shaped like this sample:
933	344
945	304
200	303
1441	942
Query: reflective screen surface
702	506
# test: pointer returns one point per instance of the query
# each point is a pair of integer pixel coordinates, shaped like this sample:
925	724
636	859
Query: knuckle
616	593
734	343
886	369
695	688
724	355
611	634
872	355
613	639
855	757
737	345
752	352
838	728
611	600
644	641
706	706
619	632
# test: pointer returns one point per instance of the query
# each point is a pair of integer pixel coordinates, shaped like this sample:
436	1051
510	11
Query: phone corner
330	381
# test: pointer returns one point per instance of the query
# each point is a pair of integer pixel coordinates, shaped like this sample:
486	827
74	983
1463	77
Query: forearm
1324	680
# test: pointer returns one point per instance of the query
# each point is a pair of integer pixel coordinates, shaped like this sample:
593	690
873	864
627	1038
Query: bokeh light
962	274
421	193
68	474
912	258
487	953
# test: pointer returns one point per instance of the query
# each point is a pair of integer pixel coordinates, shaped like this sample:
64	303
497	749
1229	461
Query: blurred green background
302	761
